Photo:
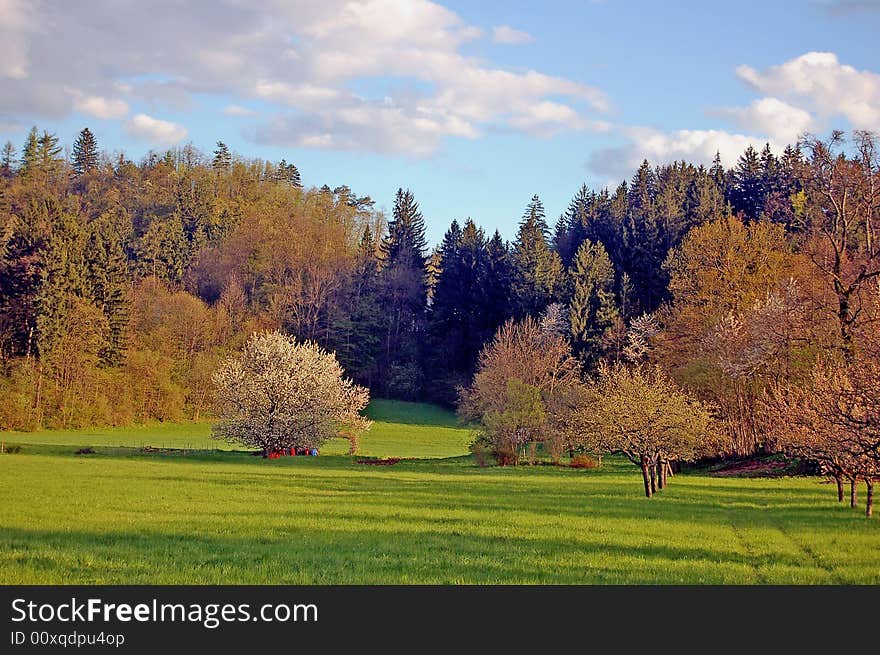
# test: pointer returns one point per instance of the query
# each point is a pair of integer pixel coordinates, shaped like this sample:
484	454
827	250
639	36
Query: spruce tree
746	191
357	326
84	157
593	309
405	290
30	153
538	273
106	272
222	161
7	160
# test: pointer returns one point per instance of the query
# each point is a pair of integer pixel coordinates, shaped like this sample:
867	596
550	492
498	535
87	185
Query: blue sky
475	106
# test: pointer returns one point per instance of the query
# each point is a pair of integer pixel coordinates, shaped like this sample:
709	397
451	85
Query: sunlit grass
209	516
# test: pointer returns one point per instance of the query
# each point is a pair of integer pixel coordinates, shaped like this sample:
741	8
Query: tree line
123	284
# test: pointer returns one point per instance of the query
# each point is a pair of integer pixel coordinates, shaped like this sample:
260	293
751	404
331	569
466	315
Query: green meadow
201	515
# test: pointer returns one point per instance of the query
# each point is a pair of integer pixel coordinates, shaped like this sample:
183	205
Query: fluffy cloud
379	75
154	131
697	146
820	83
780	120
99	107
506	35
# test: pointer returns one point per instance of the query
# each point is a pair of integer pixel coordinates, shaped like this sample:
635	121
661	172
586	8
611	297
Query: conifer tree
222	161
29	153
84	157
746	192
405	288
593	309
106	272
7	160
357	328
538	273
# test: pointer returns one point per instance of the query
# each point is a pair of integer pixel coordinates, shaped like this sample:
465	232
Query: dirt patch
754	468
378	462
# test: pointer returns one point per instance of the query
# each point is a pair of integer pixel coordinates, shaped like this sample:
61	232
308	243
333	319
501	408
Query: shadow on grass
366	556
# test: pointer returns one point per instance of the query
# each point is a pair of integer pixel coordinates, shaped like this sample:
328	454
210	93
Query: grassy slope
399	430
226	517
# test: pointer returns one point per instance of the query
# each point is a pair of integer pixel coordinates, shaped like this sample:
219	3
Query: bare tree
843	215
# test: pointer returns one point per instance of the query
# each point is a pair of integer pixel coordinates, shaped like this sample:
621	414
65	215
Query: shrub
583	462
480	448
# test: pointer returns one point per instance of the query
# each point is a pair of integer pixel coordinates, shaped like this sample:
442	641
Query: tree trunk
652	471
853	493
660	466
869	498
664	472
839	482
646	477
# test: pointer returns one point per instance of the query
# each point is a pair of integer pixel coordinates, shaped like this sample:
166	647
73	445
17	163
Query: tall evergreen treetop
222	161
84	157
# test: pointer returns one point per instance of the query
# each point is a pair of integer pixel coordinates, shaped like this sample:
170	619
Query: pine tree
593	309
222	161
84	157
106	272
538	273
405	289
746	192
498	283
357	328
289	174
643	247
29	153
48	153
7	160
63	278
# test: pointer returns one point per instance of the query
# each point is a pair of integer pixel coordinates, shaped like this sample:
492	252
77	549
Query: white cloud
780	120
238	110
99	107
328	65
819	82
155	131
15	24
507	35
659	147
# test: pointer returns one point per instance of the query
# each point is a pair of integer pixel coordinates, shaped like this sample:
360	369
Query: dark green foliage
222	161
357	326
746	190
404	298
84	157
163	250
537	275
465	311
107	278
593	309
289	174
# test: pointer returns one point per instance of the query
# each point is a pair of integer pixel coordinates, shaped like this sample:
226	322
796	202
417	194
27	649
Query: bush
583	462
480	448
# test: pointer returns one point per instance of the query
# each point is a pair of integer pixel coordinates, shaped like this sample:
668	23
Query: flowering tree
641	413
280	393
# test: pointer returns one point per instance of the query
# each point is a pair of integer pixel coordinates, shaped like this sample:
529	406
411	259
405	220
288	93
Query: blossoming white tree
281	393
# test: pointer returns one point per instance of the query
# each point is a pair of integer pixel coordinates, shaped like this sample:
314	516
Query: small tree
521	377
280	393
641	413
518	422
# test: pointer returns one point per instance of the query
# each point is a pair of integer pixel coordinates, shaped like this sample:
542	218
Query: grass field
122	516
399	430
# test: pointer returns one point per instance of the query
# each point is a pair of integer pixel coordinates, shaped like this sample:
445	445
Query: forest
124	284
